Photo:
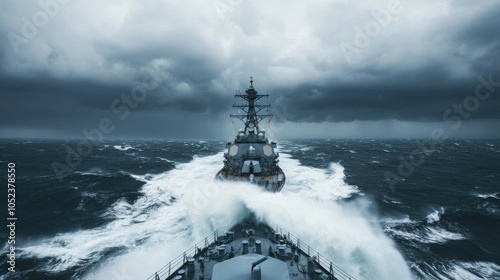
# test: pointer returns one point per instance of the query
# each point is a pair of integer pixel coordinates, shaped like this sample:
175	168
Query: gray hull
271	183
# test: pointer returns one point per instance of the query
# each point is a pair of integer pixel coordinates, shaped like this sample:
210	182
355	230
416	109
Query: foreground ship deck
251	252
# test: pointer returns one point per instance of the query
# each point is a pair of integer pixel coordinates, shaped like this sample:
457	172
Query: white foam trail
342	231
440	235
405	219
458	270
426	235
488	195
183	205
485	270
316	183
389	200
167	160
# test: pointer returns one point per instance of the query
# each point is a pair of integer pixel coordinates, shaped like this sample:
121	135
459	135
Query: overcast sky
332	68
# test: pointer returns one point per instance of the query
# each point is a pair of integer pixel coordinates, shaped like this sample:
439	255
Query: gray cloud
88	54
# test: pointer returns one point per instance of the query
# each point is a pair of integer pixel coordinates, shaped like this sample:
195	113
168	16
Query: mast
252	117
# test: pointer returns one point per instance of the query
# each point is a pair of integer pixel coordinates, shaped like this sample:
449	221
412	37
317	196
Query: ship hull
271	183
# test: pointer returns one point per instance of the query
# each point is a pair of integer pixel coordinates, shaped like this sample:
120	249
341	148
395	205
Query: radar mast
252	117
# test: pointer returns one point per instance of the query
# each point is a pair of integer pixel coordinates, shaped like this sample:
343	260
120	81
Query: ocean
380	209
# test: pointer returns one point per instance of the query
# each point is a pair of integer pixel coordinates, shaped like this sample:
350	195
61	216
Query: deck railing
321	260
171	267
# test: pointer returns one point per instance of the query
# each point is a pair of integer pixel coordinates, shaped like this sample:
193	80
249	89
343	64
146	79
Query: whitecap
391	201
180	207
458	270
123	147
321	184
440	235
427	235
142	178
167	160
435	215
391	221
93	171
488	195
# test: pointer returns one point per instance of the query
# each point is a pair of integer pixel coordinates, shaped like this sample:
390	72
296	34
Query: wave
435	216
94	171
440	235
323	184
85	197
488	195
457	270
397	221
181	206
427	235
143	178
422	231
167	160
123	147
391	201
98	172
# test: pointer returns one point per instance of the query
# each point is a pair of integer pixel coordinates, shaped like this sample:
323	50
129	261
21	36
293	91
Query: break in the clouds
332	68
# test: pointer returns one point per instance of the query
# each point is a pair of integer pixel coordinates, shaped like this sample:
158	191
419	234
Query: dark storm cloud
91	54
482	30
424	100
409	93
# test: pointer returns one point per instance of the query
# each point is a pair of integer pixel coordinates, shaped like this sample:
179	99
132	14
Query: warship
251	156
251	249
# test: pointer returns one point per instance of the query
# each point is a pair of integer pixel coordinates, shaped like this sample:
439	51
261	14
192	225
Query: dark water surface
125	198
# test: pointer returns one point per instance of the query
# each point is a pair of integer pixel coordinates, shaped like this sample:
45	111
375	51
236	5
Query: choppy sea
127	207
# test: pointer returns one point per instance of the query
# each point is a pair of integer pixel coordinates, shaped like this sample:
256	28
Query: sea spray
163	222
